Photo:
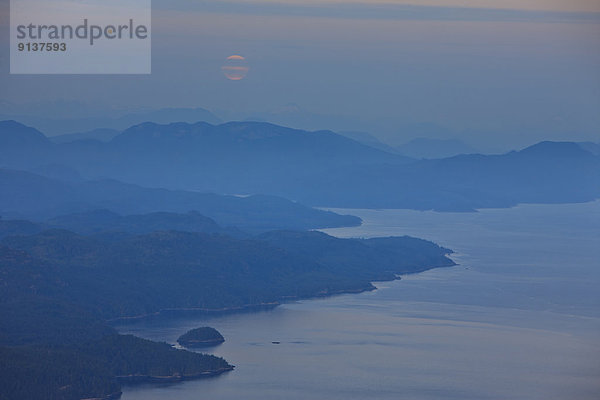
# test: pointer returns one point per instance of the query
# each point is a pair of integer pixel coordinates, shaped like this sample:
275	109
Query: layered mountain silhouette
30	196
101	134
315	168
108	222
65	124
369	140
434	148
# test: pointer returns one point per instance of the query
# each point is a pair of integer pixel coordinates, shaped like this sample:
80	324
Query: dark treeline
59	288
96	369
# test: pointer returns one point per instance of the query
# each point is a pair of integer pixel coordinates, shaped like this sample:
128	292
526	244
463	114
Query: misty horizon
496	79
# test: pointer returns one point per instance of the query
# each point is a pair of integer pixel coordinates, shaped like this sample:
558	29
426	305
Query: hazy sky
514	74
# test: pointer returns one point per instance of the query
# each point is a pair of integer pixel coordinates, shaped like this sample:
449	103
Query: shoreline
138	379
134	380
112	396
249	308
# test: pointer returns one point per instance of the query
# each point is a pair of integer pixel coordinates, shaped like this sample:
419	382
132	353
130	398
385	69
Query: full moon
235	68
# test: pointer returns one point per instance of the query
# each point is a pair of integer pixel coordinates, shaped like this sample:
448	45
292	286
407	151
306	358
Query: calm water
519	318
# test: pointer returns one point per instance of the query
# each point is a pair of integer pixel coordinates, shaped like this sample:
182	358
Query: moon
235	67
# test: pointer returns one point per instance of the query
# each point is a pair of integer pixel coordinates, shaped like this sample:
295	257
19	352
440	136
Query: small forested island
201	337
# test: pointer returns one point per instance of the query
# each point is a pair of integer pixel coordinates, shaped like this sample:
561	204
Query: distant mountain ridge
236	157
549	172
14	135
102	135
318	168
30	196
63	125
434	148
593	148
108	222
369	140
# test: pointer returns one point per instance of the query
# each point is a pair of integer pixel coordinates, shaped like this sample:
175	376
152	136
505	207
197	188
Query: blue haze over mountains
61	119
201	217
319	168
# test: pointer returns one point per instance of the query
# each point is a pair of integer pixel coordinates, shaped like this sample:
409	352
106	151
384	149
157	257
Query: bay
518	318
